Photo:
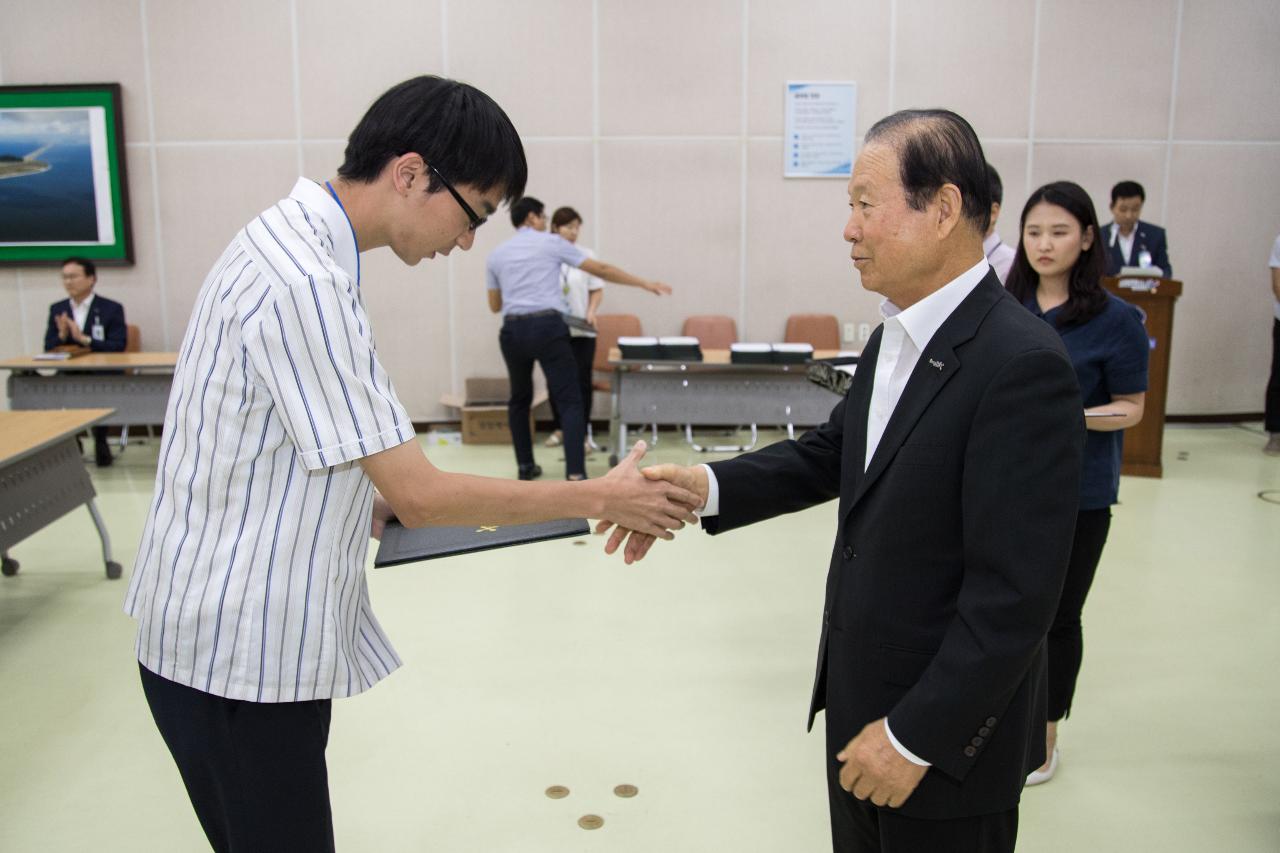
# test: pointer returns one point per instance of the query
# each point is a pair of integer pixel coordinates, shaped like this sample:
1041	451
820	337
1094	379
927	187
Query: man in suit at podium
88	320
1130	241
955	456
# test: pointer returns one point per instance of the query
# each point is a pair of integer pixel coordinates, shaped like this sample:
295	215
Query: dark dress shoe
103	460
529	472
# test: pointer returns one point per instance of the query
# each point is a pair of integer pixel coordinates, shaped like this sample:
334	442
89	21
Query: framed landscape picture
62	175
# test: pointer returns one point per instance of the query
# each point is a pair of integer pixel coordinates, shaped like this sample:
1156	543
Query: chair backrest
132	338
820	330
610	327
713	331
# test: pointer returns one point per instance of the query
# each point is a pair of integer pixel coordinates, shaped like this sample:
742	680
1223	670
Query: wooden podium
1144	442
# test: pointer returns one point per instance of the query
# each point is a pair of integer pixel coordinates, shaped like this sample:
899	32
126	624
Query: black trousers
1272	420
1066	637
255	771
859	826
584	354
543	339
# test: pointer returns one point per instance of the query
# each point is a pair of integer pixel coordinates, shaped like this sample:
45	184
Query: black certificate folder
401	544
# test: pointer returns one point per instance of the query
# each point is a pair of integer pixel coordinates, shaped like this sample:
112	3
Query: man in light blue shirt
523	278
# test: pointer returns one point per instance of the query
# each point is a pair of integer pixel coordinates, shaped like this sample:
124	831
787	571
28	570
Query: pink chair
822	331
713	331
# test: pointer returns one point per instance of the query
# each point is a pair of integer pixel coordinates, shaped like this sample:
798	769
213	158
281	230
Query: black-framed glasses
476	221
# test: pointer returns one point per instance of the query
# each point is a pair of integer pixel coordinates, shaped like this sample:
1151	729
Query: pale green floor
687	675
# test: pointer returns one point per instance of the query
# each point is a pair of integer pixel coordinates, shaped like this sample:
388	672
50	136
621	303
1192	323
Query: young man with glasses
249	589
523	276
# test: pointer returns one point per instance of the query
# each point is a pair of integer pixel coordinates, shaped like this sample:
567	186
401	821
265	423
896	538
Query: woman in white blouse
583	293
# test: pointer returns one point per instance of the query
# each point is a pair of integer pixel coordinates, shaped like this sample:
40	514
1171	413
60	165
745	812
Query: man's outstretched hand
691	479
650	506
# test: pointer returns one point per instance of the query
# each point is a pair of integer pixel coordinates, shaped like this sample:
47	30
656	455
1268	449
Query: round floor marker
557	792
626	791
591	821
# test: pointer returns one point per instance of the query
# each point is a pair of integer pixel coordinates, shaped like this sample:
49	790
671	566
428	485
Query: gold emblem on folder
488	528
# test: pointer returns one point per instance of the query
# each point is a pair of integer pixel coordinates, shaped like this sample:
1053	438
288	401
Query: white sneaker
1040	776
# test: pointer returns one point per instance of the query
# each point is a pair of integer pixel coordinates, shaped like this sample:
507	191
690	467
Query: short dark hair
1085	296
522	207
994	185
1127	189
85	264
563	216
937	147
456	128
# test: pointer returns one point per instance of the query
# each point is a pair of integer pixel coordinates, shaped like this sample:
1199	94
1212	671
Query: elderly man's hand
650	506
692	478
874	770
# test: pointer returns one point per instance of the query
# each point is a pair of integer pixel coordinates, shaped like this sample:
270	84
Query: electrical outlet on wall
850	333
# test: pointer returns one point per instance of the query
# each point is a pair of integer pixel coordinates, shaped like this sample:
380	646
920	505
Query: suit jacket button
991	721
976	741
848	552
984	731
970	751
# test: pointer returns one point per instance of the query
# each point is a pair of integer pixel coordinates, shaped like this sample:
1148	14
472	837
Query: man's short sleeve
311	345
569	253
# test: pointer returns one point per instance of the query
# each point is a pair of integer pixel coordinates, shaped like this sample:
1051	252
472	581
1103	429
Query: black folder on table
401	544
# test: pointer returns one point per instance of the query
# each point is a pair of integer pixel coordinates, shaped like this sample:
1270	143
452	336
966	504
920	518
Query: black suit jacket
105	311
951	548
1152	237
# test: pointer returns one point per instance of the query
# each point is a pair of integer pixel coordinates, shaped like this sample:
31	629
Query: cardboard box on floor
484	409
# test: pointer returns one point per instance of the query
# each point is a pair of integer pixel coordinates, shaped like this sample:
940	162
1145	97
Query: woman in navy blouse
1057	274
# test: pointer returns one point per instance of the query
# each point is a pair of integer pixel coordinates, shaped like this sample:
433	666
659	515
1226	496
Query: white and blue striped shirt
249	581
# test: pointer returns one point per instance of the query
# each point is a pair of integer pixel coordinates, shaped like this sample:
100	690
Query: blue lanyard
329	187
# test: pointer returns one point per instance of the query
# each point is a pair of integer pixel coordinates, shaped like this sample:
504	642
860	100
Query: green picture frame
63	184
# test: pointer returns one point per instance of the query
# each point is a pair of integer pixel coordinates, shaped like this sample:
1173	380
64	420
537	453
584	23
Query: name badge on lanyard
98	333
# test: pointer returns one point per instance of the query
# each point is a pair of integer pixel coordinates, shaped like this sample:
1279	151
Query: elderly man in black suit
955	457
88	320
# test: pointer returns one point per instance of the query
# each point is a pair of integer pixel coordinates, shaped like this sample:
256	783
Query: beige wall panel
797	259
831	40
222	71
1098	168
1228	74
1222	331
1010	160
65	41
346	58
671	67
15	338
1105	69
320	160
973	57
671	211
534	59
207	194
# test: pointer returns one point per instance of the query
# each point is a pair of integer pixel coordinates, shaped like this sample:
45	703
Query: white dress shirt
1126	243
906	334
999	254
249	581
80	313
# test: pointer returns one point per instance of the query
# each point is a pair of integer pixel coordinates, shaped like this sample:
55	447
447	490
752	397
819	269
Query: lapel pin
488	528
933	362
